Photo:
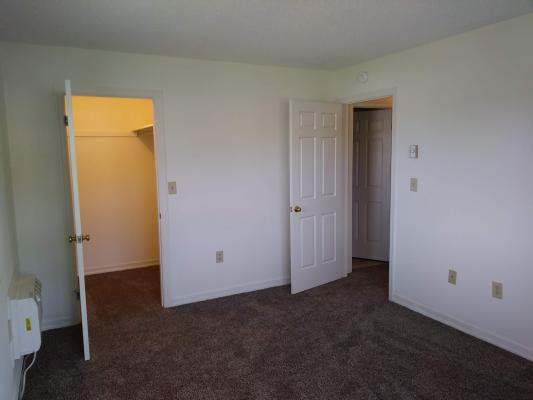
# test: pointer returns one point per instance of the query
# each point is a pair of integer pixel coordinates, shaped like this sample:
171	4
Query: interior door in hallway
371	184
77	237
317	190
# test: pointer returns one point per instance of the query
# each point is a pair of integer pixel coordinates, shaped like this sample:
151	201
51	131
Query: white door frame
348	131
161	170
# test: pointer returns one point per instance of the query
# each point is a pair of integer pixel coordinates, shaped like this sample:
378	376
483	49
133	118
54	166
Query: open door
371	184
78	238
317	189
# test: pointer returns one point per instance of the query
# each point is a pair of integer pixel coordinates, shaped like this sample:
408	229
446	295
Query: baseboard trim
470	329
213	294
56	323
121	267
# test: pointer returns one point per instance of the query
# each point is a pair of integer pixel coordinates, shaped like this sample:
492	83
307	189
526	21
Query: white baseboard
496	340
18	377
208	295
55	323
100	269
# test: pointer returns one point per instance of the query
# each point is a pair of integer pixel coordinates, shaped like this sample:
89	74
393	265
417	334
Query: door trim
157	98
348	103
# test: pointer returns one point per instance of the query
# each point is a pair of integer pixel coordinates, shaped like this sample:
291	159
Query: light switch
172	189
413	184
497	290
452	277
413	151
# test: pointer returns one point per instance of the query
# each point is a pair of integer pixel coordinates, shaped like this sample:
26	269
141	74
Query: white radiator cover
25	312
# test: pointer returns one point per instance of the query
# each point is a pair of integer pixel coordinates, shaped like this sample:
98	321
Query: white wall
117	185
468	102
9	370
226	147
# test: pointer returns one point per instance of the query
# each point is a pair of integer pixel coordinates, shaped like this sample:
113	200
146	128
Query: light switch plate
413	151
413	184
172	188
452	277
497	290
219	256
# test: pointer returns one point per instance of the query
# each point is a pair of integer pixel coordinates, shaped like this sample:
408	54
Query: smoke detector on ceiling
362	77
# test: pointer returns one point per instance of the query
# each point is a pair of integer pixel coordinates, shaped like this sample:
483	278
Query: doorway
118	203
321	170
371	181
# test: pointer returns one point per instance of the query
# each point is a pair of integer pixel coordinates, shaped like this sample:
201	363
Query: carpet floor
364	263
343	340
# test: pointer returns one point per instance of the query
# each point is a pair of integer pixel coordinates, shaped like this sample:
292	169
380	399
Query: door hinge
65	120
79	239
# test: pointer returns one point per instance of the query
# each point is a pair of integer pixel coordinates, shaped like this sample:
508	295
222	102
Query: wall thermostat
413	151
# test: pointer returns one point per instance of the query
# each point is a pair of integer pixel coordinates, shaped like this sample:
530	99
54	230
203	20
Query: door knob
85	237
71	239
297	209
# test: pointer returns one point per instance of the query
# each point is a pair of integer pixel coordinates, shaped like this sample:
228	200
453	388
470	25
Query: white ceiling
306	33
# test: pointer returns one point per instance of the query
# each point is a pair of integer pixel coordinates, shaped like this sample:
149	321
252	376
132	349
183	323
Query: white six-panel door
317	186
78	237
371	184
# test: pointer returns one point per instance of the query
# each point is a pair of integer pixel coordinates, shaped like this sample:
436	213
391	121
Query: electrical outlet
413	184
452	277
172	188
497	290
219	256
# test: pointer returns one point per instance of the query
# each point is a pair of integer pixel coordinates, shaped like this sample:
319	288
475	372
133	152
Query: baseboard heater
25	315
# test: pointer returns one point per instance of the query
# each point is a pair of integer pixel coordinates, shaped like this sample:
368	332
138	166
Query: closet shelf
148	129
144	130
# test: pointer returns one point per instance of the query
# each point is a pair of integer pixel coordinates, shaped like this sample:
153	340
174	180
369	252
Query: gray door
371	184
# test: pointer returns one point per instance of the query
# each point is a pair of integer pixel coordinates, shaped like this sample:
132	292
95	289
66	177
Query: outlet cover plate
413	184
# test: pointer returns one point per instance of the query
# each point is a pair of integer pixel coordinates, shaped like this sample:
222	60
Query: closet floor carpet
343	340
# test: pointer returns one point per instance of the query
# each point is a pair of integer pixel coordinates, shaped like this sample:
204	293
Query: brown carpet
364	263
343	340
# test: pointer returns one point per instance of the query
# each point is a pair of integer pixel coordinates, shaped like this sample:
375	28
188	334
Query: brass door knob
71	239
297	209
85	237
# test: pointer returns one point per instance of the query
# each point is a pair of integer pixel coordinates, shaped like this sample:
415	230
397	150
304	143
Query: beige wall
116	171
384	102
108	116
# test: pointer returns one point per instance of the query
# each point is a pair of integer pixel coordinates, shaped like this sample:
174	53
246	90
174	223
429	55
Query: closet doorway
371	185
116	161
